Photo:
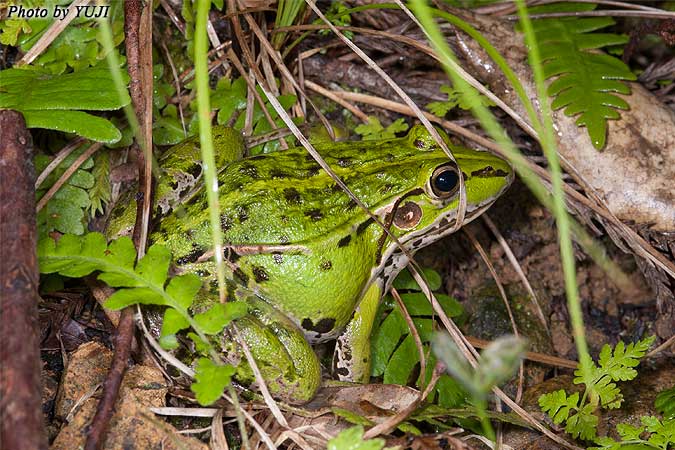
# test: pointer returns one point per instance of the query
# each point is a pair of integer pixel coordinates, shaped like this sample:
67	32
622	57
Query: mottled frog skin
313	262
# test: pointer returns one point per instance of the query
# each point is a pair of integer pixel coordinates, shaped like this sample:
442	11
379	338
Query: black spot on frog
313	170
314	214
249	170
342	371
292	196
242	214
260	274
278	173
225	222
344	241
241	276
322	326
190	257
363	225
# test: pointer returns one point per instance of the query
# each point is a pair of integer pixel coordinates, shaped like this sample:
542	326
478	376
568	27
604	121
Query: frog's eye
444	181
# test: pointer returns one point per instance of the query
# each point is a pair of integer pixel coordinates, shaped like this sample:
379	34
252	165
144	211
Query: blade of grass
562	219
489	123
206	140
548	143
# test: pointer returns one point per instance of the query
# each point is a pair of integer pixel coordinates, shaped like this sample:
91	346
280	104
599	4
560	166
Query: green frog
314	263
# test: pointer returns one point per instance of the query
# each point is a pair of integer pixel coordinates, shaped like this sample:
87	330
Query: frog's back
285	198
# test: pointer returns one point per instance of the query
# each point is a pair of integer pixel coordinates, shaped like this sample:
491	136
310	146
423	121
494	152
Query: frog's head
428	210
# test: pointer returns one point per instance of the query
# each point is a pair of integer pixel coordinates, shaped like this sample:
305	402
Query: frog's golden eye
444	181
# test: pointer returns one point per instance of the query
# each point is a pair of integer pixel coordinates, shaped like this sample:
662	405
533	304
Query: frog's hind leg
352	358
287	362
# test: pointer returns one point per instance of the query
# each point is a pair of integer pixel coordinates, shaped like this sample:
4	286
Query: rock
133	425
633	173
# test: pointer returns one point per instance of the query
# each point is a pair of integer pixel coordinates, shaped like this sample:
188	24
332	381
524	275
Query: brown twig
21	421
113	381
137	24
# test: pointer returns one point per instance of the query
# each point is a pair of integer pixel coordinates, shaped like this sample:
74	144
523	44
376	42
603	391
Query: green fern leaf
66	211
210	380
100	192
587	80
609	394
54	102
583	424
142	282
665	403
558	405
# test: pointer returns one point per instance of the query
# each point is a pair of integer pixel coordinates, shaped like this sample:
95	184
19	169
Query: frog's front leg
352	358
286	361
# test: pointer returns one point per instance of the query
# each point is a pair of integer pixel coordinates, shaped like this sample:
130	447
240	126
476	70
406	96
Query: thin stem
206	140
559	210
481	411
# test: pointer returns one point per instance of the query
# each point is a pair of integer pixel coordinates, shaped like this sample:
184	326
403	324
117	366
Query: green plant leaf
405	281
183	288
141	283
606	443
339	16
385	340
351	417
210	380
586	79
663	430
402	362
619	366
450	393
629	432
394	330
172	323
219	316
11	28
665	403
201	346
352	439
455	99
601	391
66	210
582	424
228	97
374	130
52	102
76	122
558	405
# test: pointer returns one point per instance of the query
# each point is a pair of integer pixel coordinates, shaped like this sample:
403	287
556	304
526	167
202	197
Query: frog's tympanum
314	264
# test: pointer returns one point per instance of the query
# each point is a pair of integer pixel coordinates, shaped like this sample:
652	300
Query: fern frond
587	80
